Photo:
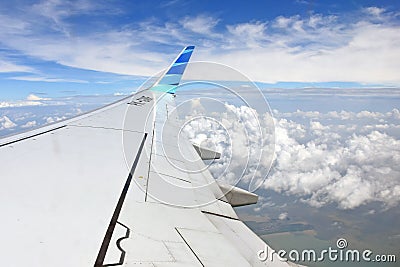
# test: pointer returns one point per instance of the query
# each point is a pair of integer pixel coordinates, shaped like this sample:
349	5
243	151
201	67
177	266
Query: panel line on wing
219	215
105	128
151	152
34	135
169	157
181	179
187	244
107	238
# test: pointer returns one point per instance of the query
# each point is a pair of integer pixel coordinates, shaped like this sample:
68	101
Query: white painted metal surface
59	189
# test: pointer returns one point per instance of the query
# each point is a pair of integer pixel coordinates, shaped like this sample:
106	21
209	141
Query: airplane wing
116	186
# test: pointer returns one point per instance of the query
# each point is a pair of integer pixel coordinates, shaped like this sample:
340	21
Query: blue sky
64	48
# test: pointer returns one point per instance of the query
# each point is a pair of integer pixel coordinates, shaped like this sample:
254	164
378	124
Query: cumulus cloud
283	216
350	171
53	119
318	158
29	124
6	123
33	97
236	133
308	48
375	11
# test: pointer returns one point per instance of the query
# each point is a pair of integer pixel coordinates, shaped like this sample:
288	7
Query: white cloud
117	50
29	124
200	24
282	22
53	119
31	100
249	34
58	10
238	126
316	158
283	216
318	48
315	48
33	97
119	94
6	123
13	24
375	11
10	104
7	66
45	79
350	170
363	52
49	120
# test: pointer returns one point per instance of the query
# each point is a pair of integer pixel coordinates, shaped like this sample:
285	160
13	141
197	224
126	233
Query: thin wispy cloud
359	46
7	65
45	79
200	24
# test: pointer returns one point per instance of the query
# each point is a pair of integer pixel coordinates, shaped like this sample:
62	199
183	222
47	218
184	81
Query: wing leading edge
117	187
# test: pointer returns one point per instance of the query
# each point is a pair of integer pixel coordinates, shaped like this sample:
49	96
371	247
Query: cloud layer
345	158
350	166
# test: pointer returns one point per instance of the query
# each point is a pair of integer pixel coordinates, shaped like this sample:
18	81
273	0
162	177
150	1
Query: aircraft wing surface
118	186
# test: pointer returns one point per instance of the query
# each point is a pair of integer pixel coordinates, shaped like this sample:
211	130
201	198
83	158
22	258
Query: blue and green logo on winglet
172	77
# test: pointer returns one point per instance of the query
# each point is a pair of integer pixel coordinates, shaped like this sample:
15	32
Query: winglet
171	78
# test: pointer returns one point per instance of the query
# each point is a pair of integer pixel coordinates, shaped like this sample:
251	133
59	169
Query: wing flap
236	196
206	154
